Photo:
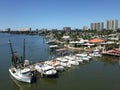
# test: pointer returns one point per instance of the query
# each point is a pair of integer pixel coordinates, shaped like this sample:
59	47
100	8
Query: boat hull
20	77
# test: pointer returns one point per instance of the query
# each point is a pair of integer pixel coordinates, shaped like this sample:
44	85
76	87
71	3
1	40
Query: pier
111	54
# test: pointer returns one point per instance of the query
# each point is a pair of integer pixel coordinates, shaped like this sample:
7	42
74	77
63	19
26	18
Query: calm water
100	74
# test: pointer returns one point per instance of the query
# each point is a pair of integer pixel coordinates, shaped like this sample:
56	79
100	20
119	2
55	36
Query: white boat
58	67
96	53
53	46
77	58
64	62
20	85
84	57
55	64
18	71
23	75
72	60
45	69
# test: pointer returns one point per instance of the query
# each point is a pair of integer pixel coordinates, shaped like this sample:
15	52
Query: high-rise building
100	26
8	29
97	26
67	29
112	25
93	26
85	28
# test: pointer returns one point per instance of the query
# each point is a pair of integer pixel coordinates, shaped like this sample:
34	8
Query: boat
72	60
45	69
84	57
77	58
55	64
96	53
21	85
23	75
18	71
53	46
63	61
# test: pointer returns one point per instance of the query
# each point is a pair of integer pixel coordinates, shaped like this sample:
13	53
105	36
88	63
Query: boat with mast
18	70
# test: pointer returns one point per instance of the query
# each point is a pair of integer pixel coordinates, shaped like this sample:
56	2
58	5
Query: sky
51	14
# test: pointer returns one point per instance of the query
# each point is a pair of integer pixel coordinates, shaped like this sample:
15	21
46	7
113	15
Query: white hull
63	62
18	76
55	64
96	55
45	70
83	57
72	60
59	68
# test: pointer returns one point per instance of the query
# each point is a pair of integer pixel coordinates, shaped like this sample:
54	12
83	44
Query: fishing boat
18	71
24	75
21	85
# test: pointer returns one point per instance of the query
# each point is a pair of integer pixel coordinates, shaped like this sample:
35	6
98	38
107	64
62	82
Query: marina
59	45
100	73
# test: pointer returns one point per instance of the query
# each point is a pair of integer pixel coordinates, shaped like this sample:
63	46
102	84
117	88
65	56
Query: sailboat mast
14	61
11	48
24	50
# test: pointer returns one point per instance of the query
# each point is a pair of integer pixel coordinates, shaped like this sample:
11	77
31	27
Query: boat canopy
47	68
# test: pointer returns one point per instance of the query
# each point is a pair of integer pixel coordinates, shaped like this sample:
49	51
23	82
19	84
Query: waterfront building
43	30
25	29
85	28
66	38
112	25
97	26
8	29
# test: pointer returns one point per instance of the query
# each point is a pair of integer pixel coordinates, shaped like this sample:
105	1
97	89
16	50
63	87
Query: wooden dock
111	54
32	66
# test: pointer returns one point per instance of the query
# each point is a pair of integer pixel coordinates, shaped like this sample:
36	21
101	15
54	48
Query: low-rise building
8	29
25	29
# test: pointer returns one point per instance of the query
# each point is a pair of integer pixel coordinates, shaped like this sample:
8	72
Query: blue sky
56	13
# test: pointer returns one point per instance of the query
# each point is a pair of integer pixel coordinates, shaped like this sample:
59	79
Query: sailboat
18	71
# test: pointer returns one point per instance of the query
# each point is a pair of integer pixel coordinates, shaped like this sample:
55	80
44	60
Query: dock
111	54
32	65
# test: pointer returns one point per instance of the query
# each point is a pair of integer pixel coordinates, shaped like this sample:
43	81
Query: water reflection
49	81
119	62
110	60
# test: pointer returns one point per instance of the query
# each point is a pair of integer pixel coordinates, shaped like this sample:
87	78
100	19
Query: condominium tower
97	26
112	25
85	28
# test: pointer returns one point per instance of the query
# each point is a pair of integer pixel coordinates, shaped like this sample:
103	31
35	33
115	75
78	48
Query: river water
99	74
